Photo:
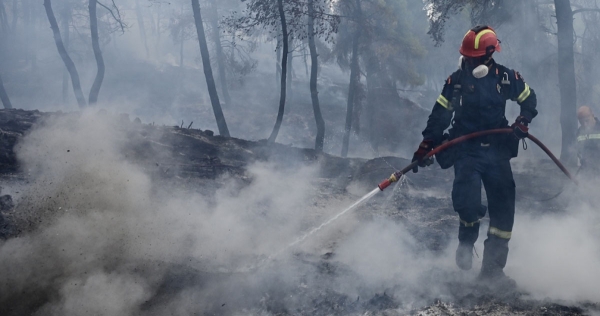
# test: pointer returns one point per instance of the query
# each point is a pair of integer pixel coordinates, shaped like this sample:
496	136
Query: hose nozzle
393	178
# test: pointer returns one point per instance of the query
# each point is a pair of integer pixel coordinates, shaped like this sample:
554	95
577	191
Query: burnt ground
197	160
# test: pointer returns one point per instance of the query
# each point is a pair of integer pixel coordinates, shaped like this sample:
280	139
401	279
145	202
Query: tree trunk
304	56
3	18
289	71
95	90
64	55
232	56
376	99
283	73
314	68
30	22
66	18
158	32
354	77
4	96
140	19
210	81
15	16
278	63
566	79
216	34
27	32
181	41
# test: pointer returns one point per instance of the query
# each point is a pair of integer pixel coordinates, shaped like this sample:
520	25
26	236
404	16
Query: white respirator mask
479	71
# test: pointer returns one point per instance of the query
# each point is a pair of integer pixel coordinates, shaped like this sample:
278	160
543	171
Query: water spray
398	175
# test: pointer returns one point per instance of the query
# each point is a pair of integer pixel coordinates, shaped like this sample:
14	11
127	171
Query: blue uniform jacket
481	103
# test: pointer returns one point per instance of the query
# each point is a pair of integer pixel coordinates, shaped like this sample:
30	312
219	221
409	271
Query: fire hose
398	174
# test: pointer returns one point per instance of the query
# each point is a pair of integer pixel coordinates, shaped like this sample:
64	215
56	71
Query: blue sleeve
441	114
523	95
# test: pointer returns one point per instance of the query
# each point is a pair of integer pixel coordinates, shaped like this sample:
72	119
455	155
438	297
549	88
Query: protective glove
519	127
424	148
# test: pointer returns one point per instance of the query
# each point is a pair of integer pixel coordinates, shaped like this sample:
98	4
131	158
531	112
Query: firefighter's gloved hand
424	148
520	129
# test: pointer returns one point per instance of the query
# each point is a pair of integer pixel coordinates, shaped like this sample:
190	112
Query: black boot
467	236
464	256
496	281
492	275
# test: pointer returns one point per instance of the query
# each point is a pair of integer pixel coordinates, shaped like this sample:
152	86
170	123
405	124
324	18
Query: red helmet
480	41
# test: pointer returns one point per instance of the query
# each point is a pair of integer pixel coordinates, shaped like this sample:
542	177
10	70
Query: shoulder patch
449	80
518	76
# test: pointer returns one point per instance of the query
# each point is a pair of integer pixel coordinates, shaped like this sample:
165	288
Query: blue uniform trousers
483	163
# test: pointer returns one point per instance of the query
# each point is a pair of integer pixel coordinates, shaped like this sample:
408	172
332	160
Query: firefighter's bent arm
525	96
439	120
441	115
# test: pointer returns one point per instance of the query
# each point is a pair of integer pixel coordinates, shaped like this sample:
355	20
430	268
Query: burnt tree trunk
30	20
181	39
216	34
95	90
290	70
314	68
15	16
210	81
306	60
566	78
354	77
27	32
278	63
181	42
66	18
3	18
64	55
284	58
140	19
158	31
590	45
4	96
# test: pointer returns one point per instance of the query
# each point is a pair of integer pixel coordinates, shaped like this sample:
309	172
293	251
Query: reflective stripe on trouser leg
500	189
499	233
468	234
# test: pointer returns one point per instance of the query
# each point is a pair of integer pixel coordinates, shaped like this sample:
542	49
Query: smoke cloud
555	255
107	234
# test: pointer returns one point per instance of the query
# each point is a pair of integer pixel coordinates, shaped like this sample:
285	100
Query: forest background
358	79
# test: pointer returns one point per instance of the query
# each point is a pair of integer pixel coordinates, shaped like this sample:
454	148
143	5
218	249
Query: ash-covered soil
83	239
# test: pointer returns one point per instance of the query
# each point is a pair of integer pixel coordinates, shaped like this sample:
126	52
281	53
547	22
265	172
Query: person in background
588	144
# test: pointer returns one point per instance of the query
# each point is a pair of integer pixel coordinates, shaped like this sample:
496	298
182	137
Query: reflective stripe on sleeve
525	94
585	137
443	101
499	233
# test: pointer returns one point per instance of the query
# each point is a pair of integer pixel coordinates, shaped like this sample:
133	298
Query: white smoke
107	233
556	255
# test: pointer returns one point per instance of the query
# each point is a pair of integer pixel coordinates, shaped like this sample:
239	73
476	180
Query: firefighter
474	99
588	143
